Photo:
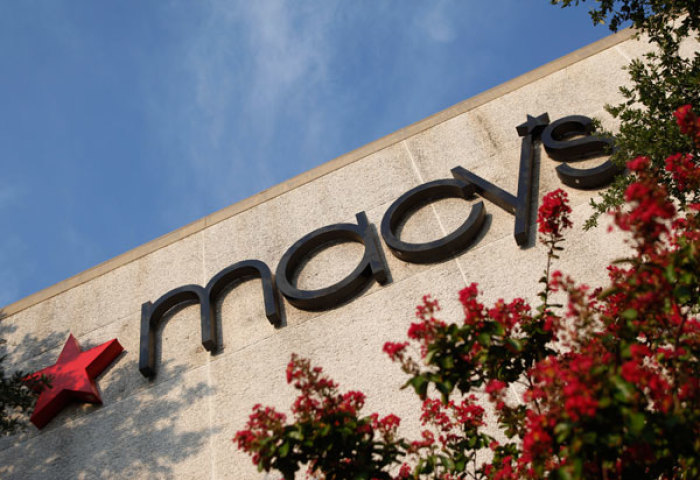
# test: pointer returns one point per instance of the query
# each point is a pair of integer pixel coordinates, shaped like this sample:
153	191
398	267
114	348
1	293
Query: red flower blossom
685	171
639	164
473	310
395	350
553	214
389	423
619	362
689	123
495	386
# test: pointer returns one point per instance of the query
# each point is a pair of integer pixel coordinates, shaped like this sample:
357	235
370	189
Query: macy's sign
567	139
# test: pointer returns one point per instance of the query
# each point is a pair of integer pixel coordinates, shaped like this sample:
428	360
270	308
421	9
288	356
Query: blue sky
121	121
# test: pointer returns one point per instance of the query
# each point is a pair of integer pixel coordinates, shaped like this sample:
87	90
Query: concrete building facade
179	422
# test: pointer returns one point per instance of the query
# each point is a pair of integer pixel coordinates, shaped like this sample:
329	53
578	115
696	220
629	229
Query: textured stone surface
344	342
180	424
266	231
161	433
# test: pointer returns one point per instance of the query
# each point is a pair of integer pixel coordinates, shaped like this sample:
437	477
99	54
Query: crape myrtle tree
660	82
610	379
18	394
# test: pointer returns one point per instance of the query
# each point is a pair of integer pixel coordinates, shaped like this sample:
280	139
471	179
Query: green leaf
420	385
447	362
447	462
515	343
624	391
484	338
637	421
445	388
629	314
284	449
498	329
563	474
562	430
625	351
671	273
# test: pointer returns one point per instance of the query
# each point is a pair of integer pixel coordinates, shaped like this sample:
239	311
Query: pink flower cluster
689	123
553	214
610	379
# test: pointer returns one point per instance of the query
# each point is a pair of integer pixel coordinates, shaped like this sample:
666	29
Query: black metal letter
559	148
238	272
520	205
440	249
371	266
152	313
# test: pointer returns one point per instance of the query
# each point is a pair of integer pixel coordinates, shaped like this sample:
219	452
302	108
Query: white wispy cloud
289	53
248	64
256	73
435	21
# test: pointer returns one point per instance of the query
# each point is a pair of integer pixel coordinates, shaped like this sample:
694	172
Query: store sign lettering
565	140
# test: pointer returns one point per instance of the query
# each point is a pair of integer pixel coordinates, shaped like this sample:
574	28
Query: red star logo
72	378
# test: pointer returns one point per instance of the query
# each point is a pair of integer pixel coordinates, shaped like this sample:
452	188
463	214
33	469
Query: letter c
437	250
372	265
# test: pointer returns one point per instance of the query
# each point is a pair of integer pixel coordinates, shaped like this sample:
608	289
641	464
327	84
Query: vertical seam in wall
413	162
210	406
622	53
437	217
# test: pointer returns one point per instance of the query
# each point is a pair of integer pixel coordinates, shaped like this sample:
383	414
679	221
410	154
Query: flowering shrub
328	434
609	383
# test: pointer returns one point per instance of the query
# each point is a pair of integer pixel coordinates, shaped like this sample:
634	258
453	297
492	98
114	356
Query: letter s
554	139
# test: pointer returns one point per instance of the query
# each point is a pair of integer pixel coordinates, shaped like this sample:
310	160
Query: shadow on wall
18	351
156	432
